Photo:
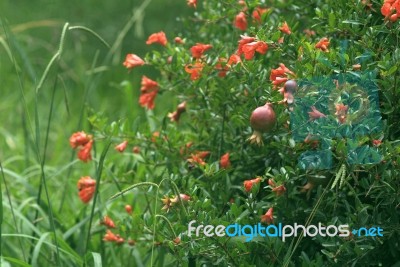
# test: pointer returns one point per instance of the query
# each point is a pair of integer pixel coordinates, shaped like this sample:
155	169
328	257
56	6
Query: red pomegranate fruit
262	120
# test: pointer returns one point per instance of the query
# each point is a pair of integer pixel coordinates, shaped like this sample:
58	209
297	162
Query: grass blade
12	213
91	32
292	249
67	251
1	211
42	160
97	260
16	262
98	176
36	251
79	125
132	187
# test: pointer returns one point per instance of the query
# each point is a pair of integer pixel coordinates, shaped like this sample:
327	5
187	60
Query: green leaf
332	20
391	70
328	253
292	143
352	22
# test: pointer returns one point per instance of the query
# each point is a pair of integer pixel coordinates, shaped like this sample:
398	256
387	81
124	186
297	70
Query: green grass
49	89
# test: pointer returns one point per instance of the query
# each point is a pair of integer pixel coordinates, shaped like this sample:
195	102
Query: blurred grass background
34	29
29	37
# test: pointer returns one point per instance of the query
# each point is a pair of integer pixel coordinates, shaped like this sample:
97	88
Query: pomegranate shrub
205	164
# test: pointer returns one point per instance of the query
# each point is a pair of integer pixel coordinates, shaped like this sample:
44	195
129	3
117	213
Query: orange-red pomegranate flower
285	28
250	48
268	217
262	47
258	12
192	3
132	61
121	147
194	70
315	114
176	240
376	142
196	159
174	116
158	37
203	154
148	84
185	149
309	32
279	75
108	222
84	142
155	136
394	17
279	190
86	187
86	194
136	149
179	40
341	112
312	141
243	41
149	92
111	237
128	209
184	198
79	139
234	59
199	49
120	240
241	21
147	99
323	44
84	153
170	202
224	162
222	67
248	184
199	158
391	10
386	9
271	182
242	3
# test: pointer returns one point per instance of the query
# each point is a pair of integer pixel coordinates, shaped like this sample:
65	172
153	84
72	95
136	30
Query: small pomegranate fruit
289	89
262	120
